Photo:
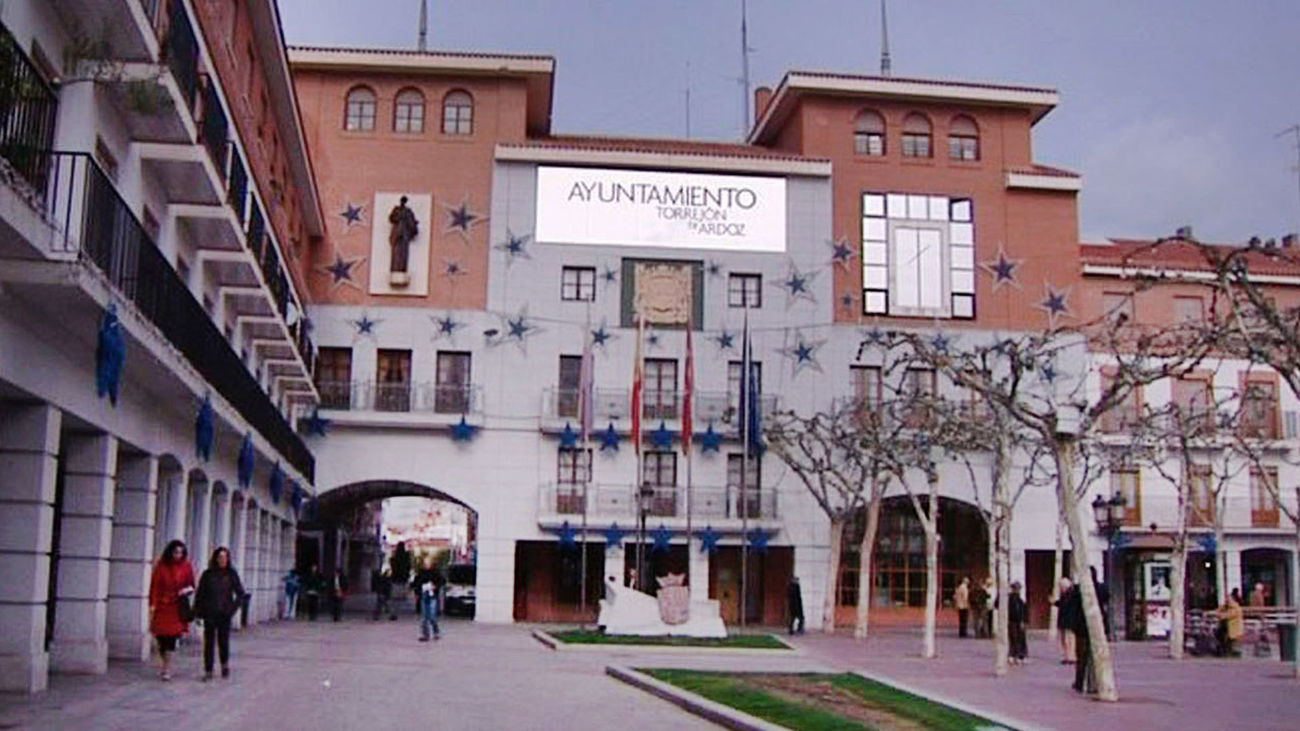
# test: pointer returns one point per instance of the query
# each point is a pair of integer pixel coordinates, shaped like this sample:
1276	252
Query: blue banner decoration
758	540
315	425
614	536
662	438
295	496
710	440
204	430
567	536
276	483
247	458
1208	543
462	431
568	437
110	355
609	439
663	539
709	540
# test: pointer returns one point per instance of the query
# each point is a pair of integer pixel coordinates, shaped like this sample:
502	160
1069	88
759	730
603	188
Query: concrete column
1231	572
131	561
202	534
29	447
238	540
251	550
178	511
699	563
268	567
223	538
85	544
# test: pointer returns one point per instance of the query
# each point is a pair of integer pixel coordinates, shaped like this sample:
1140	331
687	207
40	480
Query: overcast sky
1170	108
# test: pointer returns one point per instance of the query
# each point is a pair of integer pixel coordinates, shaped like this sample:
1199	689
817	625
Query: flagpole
688	418
637	486
585	379
744	470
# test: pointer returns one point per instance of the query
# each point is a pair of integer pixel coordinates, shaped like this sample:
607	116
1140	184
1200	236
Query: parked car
460	589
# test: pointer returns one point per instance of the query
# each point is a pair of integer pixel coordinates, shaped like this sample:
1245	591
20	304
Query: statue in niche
405	228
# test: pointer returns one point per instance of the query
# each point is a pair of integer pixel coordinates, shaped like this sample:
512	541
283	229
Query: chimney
762	97
1289	241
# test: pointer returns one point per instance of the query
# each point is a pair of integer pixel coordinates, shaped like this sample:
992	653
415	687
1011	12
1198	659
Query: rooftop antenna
744	62
1294	130
885	66
424	26
688	99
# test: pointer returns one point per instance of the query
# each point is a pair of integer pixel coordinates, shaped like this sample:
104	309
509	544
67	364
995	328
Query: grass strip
744	642
731	689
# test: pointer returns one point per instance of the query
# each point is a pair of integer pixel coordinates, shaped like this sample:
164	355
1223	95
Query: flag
688	394
750	419
636	384
585	389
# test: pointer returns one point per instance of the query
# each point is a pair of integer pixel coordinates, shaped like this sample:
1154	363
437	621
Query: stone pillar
238	541
85	544
178	510
131	561
202	535
252	562
223	538
29	447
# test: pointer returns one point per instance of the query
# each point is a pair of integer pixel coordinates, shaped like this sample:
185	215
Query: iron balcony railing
614	403
450	399
605	501
214	129
237	185
96	221
28	108
182	52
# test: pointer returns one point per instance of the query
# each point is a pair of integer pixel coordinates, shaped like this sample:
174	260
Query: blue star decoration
463	432
341	270
609	276
568	437
653	339
515	247
724	340
352	214
1002	269
1049	373
517	329
841	253
1208	544
663	539
445	326
365	325
710	440
614	536
567	535
609	439
758	540
803	354
1056	303
797	285
847	301
452	269
316	425
713	269
461	219
940	343
601	335
662	438
708	540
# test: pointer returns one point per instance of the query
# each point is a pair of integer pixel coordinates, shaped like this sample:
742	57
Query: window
1125	480
866	387
1263	498
1188	309
1124	415
963	139
393	381
1194	405
457	113
918	255
1200	494
869	134
334	377
360	115
1117	306
453	383
752	505
567	395
659	389
745	290
573	470
578	284
1259	410
733	386
919	387
408	112
916	136
659	478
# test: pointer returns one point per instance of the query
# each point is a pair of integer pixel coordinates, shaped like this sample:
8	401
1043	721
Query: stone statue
405	228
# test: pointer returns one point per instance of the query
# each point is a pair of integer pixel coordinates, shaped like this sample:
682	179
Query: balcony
123	29
429	404
607	503
560	405
28	109
95	222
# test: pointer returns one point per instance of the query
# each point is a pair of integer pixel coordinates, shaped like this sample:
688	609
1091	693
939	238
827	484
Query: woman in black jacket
218	598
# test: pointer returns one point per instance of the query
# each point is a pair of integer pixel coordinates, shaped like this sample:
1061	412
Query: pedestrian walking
961	600
1017	613
1063	631
338	589
381	583
292	586
312	584
219	596
400	563
427	585
170	590
794	601
1231	625
987	621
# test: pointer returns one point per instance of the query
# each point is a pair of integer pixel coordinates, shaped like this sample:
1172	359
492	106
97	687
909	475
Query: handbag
185	608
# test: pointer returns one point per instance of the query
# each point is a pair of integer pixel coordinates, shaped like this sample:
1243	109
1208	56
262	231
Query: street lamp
644	498
1109	515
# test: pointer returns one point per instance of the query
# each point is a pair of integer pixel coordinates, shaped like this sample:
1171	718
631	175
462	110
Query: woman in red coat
173	578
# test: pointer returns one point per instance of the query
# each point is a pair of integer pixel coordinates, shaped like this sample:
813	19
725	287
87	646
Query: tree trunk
1001	541
1220	557
1103	668
1052	614
931	525
865	552
1177	580
1295	582
833	575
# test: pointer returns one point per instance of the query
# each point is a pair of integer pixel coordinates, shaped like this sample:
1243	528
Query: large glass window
659	478
453	385
393	380
659	389
1194	404
408	112
360	115
1263	498
918	255
566	396
457	113
1259	410
334	377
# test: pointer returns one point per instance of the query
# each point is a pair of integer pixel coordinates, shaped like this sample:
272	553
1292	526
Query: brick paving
359	674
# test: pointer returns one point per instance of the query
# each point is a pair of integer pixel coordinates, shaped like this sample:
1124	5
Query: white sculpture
626	611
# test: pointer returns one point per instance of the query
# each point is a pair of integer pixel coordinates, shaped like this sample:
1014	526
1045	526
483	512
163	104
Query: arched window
916	136
360	116
869	134
963	139
457	113
408	111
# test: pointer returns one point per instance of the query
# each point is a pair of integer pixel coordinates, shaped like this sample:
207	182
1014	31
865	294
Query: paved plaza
376	675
